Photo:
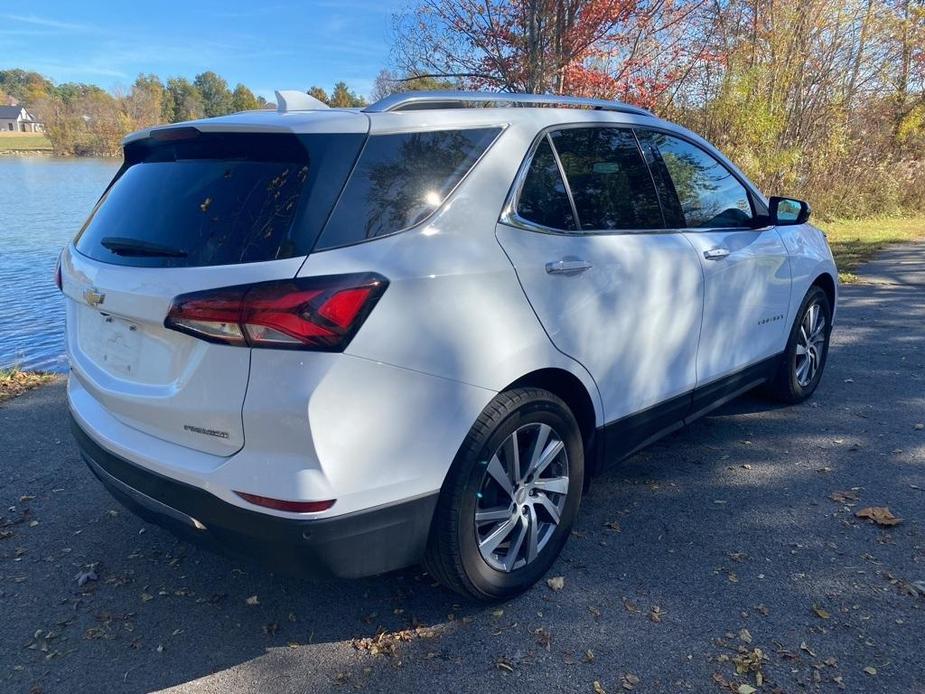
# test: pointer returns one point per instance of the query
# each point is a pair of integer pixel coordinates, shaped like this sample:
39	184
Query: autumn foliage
613	48
824	99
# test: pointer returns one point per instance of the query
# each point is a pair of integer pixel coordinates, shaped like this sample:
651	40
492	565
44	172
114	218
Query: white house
18	119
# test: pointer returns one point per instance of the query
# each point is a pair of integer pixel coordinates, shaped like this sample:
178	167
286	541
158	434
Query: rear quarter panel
454	308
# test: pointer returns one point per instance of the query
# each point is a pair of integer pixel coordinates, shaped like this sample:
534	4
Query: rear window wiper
136	247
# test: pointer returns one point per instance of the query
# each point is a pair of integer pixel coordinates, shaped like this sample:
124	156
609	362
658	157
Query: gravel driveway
733	544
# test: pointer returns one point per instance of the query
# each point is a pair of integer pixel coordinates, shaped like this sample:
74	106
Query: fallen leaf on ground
386	642
870	670
919	426
822	614
805	647
745	635
656	614
613	525
746	689
504	664
598	689
880	515
847	496
556	583
629	681
252	600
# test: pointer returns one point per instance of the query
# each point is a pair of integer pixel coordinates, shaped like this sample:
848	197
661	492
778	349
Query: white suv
355	340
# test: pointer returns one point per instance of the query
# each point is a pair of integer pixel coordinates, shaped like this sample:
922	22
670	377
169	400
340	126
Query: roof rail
408	101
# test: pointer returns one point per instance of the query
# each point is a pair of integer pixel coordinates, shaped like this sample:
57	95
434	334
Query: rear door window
709	195
218	198
543	198
609	180
400	180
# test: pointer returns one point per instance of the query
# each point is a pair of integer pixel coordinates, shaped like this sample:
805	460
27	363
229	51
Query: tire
787	385
458	553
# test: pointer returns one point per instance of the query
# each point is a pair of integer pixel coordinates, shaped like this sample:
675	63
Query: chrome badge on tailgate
94	296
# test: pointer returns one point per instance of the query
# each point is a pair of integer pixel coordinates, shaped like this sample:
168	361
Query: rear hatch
191	210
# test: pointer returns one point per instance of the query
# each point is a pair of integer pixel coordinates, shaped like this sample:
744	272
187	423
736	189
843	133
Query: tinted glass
610	182
218	199
671	207
543	199
400	180
710	196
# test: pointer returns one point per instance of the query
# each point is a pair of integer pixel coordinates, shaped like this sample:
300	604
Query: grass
15	381
24	142
856	241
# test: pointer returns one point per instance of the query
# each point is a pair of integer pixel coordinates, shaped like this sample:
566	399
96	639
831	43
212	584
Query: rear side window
400	180
218	199
543	198
709	195
609	180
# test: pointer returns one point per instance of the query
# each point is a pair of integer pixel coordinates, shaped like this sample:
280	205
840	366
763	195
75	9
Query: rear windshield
400	180
219	199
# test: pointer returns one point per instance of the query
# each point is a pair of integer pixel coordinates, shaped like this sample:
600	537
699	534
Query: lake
43	203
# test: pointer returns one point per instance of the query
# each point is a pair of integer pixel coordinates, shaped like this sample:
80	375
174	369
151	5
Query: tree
187	100
318	93
631	49
243	99
84	120
25	86
343	97
146	103
216	98
388	83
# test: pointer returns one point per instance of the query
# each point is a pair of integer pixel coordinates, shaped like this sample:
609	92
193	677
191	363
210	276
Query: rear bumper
357	544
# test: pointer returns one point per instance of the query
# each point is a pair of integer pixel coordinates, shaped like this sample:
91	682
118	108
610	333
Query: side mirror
787	211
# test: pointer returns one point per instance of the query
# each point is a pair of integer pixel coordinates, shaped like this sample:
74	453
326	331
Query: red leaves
625	49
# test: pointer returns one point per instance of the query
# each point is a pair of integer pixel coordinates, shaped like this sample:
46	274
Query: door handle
567	266
716	253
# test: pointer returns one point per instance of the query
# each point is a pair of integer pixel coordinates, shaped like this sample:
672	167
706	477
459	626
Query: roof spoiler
294	100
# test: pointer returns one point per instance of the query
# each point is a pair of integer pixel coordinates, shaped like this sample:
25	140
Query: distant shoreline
24	143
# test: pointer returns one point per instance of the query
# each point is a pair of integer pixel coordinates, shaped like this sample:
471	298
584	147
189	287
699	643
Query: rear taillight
315	313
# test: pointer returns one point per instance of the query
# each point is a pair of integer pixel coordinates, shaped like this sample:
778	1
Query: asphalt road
729	541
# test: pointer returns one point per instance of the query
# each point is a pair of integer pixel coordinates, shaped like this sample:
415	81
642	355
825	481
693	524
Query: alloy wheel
810	345
521	497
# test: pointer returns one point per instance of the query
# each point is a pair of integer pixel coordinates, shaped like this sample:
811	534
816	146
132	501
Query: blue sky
265	46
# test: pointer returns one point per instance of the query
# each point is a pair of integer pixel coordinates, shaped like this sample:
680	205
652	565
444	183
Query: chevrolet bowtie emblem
93	296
